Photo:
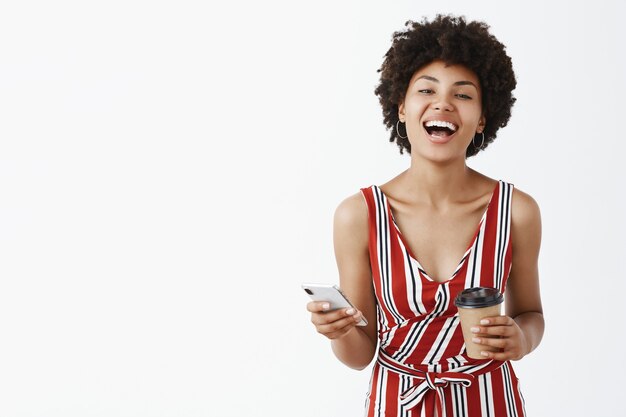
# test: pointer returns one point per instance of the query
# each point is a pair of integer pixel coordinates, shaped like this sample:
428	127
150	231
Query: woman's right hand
333	324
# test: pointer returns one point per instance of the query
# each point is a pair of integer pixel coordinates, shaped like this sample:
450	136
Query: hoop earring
482	142
398	130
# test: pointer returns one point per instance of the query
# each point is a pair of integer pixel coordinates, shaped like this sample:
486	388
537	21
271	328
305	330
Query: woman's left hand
503	334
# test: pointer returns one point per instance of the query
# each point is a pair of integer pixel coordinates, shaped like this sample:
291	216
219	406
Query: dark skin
437	203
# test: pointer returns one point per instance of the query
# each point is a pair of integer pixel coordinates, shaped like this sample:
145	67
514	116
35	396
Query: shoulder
352	213
524	209
525	219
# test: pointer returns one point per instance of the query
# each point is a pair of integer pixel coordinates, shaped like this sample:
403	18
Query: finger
317	306
492	342
336	325
504	331
334	315
497	321
326	318
340	332
499	356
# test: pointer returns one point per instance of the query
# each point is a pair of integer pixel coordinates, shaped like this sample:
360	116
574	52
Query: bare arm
523	299
520	331
354	346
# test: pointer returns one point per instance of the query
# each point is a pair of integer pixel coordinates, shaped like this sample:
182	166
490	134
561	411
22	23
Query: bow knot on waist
443	379
433	381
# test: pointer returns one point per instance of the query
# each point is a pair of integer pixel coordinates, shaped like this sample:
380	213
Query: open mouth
440	129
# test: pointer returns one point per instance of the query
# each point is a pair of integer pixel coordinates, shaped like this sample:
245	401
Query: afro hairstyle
454	41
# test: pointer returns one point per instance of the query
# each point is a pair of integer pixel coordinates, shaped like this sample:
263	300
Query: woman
445	88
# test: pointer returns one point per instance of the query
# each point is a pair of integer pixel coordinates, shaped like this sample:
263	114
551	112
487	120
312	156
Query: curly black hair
454	41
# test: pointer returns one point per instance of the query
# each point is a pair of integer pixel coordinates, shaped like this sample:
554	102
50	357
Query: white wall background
169	171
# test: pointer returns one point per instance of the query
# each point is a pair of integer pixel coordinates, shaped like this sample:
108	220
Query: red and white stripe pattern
422	362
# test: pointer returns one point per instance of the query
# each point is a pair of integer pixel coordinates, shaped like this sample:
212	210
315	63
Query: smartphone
331	294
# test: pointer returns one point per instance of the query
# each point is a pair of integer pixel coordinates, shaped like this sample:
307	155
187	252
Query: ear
401	114
481	124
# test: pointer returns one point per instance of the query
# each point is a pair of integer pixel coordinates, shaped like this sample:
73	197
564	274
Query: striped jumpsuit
422	368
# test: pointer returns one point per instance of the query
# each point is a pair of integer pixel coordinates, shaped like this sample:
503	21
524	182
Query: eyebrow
429	78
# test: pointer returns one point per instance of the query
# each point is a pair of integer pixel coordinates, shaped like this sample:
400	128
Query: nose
442	104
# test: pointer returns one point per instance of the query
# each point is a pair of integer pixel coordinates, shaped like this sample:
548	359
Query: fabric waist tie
433	381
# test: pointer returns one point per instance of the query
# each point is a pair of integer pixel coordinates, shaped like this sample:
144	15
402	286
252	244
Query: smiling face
442	110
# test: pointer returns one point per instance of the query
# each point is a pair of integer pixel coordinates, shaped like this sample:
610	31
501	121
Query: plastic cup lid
478	297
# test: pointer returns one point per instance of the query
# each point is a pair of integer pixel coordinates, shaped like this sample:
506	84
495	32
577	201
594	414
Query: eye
464	96
427	90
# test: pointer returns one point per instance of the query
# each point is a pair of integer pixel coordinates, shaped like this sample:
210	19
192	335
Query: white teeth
441	123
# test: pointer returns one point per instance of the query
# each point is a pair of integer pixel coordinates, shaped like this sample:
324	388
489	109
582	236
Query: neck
437	184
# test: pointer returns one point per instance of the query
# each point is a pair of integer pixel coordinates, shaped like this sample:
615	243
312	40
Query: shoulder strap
503	255
368	194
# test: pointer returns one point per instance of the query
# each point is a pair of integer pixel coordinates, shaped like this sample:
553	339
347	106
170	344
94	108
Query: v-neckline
469	247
